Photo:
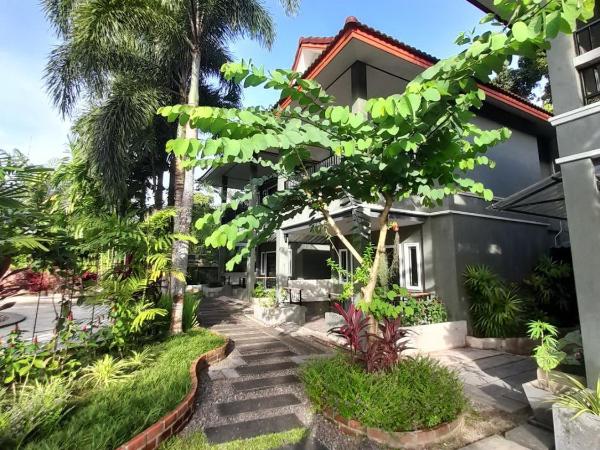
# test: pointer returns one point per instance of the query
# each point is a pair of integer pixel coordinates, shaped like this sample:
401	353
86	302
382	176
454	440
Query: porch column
251	260
282	251
583	212
222	252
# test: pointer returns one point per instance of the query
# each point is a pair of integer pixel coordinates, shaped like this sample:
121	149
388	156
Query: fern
145	314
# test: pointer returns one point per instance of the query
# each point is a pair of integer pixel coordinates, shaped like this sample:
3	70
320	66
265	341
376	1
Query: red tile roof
418	56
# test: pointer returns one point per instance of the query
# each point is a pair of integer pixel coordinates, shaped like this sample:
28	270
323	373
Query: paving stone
512	369
494	443
244	336
255	340
309	443
262	383
257	348
252	428
267	356
230	373
263	368
257	404
215	375
499	402
497	360
532	437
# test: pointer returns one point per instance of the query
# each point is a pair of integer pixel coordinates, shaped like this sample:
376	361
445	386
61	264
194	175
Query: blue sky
29	122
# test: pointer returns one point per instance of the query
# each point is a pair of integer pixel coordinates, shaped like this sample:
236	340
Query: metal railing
587	37
330	161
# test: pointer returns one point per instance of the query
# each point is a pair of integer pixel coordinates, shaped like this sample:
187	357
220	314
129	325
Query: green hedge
110	416
416	394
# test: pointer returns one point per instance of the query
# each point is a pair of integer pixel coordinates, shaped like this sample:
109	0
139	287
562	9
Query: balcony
331	161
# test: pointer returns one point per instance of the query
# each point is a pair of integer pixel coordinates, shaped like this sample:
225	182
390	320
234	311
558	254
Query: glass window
345	262
588	34
412	266
590	77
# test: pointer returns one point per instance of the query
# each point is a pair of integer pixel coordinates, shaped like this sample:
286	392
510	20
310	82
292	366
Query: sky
29	122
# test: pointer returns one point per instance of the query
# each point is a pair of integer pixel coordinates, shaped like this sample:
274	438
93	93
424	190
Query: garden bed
417	402
112	415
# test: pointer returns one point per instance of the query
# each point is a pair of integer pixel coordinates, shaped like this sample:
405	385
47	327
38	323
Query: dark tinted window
591	83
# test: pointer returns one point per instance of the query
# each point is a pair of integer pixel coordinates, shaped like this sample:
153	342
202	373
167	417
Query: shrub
424	311
580	399
35	408
374	351
110	415
191	302
415	394
496	308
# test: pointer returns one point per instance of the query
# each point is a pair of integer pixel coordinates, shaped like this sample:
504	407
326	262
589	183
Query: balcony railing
331	161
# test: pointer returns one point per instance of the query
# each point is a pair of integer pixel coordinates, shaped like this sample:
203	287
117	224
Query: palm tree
183	41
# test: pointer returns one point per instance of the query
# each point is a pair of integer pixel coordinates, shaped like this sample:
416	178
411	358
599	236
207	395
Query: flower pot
582	433
540	401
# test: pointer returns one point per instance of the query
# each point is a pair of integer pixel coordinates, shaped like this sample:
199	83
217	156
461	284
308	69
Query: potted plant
548	354
576	414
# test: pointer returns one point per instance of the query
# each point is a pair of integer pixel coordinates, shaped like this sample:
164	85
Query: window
394	264
267	264
590	79
345	262
412	266
587	36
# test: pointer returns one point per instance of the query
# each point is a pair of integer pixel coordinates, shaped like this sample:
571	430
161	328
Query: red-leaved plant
375	351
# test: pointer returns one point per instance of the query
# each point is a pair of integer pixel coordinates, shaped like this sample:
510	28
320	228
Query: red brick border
172	422
408	440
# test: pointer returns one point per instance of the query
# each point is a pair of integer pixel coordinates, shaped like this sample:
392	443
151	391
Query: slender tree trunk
171	192
159	191
184	194
369	289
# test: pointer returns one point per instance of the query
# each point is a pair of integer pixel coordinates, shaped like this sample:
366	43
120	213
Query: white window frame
407	266
344	253
263	262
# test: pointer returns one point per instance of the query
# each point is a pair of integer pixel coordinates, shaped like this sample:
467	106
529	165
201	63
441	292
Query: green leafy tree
421	143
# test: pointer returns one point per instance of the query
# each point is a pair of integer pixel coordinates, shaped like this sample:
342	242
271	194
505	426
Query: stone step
263	383
252	428
494	443
258	348
309	443
268	356
265	339
257	404
264	368
532	437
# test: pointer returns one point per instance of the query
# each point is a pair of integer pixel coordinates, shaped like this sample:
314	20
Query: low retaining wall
174	421
280	314
516	346
315	289
438	336
408	439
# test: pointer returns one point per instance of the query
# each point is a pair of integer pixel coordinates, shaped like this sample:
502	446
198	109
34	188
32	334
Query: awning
545	198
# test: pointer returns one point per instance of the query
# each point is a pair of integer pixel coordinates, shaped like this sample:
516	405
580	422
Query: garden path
256	390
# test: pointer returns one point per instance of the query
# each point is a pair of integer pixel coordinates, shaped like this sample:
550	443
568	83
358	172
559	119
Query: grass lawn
197	441
109	416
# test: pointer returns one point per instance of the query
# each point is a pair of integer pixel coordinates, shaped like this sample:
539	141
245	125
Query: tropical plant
547	354
420	143
353	329
423	311
579	398
106	371
552	287
32	410
497	309
191	303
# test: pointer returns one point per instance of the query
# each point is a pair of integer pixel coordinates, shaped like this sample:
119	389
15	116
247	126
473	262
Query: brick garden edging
407	439
174	421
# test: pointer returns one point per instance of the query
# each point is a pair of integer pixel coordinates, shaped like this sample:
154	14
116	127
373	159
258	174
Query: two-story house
433	245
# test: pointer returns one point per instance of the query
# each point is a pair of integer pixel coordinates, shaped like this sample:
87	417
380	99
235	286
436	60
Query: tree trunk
369	289
184	197
171	192
159	191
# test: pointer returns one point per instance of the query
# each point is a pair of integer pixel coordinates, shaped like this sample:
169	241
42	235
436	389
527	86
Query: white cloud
28	121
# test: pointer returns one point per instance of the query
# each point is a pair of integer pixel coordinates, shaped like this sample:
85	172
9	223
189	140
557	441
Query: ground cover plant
111	414
197	441
415	394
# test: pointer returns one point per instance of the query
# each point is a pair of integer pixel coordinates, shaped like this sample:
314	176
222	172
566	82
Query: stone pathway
256	390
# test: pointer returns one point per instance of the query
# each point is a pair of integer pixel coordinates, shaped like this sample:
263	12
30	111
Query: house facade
433	245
